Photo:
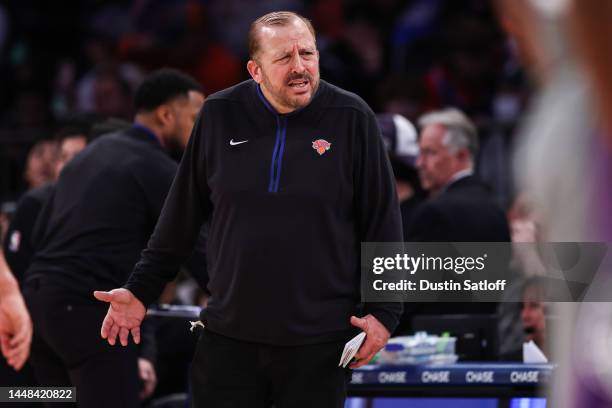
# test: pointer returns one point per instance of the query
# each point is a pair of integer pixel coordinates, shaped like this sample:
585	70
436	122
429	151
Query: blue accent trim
279	146
148	132
272	167
280	155
265	101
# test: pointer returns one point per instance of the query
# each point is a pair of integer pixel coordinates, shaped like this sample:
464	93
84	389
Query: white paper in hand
351	348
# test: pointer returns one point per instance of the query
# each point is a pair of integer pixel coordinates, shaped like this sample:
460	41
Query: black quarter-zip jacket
286	220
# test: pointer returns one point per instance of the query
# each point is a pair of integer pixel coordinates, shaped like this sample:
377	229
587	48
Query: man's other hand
15	329
377	336
146	371
124	316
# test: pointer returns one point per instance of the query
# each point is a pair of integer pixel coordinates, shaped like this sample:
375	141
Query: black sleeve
187	206
42	220
196	264
377	208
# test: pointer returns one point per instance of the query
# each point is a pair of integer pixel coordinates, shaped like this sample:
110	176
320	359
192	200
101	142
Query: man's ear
164	114
464	155
254	70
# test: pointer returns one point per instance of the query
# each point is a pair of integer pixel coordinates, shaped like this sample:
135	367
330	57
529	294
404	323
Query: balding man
461	207
294	175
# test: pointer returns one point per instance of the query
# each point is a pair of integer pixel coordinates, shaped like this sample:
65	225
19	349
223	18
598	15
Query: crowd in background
405	57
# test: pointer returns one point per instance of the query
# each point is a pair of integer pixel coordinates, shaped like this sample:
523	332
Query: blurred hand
523	230
124	316
15	329
377	336
147	374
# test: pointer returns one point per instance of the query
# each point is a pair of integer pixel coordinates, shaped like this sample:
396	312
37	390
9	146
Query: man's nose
297	63
419	162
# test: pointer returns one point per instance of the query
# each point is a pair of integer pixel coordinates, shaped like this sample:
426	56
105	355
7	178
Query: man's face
40	165
69	148
436	164
533	314
185	111
287	65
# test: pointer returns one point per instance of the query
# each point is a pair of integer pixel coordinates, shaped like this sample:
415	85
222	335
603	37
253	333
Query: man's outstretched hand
377	336
124	316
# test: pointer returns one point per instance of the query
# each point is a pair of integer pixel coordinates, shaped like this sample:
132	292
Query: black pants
67	350
228	373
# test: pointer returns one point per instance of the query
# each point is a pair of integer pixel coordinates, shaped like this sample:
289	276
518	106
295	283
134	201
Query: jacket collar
140	132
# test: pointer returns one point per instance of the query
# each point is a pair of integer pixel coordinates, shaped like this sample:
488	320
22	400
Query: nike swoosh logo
232	143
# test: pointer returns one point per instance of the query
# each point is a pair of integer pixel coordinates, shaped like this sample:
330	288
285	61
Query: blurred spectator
70	146
460	208
400	138
527	264
105	92
531	320
522	220
41	163
21	240
533	313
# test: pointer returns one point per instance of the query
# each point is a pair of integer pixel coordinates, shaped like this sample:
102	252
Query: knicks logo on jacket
321	146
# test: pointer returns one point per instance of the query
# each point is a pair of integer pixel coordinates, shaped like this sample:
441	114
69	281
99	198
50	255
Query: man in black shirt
294	175
104	207
20	242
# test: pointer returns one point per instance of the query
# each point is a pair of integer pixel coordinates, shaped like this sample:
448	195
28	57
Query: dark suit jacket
464	212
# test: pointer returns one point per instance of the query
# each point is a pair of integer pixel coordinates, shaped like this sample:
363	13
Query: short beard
279	96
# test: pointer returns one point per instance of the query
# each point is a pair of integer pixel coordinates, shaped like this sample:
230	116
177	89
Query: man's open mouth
299	83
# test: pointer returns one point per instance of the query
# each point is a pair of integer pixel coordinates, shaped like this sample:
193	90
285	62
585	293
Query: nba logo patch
14	241
321	146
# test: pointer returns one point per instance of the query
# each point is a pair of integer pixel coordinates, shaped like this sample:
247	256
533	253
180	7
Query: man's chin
301	99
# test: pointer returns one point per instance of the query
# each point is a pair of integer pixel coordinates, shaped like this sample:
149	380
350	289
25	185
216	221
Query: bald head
274	19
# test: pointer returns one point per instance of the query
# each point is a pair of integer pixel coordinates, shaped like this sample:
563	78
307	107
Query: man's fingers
24	335
362	361
136	334
103	296
18	362
4	343
18	365
17	357
112	334
123	336
107	323
366	349
361	323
